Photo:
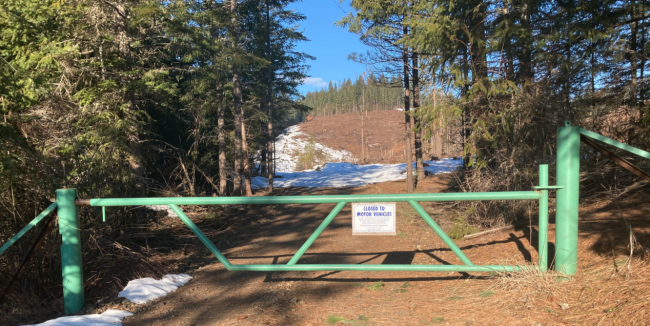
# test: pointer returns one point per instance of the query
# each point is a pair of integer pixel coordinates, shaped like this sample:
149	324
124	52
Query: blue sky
329	44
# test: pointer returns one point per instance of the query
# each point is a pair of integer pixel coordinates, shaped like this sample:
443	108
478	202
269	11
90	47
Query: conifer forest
372	93
145	98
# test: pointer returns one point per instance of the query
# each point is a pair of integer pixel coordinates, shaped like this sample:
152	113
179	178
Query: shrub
310	156
461	228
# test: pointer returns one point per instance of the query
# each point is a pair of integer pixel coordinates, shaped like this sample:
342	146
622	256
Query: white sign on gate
373	219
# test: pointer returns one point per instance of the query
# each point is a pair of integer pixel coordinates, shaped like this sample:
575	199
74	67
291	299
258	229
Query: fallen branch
634	186
208	179
475	235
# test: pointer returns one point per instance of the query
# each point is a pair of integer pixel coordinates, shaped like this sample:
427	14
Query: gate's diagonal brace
46	229
609	141
222	259
316	233
441	233
28	227
621	161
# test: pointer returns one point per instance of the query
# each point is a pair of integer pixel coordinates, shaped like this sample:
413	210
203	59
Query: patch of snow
351	175
109	317
290	142
162	208
137	291
146	289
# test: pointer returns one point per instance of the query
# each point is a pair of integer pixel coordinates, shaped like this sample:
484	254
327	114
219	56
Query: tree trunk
465	113
441	123
122	37
525	59
478	50
634	29
132	134
101	51
565	69
237	95
642	65
416	106
478	56
592	62
363	92
263	168
407	118
271	140
507	45
221	134
246	166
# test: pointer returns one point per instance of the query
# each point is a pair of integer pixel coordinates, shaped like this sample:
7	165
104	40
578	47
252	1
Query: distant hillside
380	93
384	140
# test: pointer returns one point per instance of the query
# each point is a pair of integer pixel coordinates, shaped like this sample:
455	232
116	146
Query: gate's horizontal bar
378	268
548	187
271	200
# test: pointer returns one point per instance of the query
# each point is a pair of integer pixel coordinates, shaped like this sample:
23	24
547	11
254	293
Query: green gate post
542	244
71	267
566	215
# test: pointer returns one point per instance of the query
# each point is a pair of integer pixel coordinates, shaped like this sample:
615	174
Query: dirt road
603	291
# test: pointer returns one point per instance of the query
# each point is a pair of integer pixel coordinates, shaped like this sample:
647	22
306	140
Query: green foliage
512	72
486	294
310	156
461	228
32	43
433	321
120	99
376	286
333	319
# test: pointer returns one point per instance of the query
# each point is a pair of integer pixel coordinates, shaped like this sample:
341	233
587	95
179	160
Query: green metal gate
566	235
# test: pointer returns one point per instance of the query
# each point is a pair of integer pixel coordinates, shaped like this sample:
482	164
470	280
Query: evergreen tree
136	98
381	93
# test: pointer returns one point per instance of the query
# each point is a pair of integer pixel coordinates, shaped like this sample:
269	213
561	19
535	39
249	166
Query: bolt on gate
566	224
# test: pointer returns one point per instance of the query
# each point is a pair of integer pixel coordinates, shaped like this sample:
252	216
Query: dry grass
531	285
603	292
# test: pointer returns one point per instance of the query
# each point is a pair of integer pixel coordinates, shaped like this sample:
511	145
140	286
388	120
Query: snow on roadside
351	175
291	141
146	289
137	291
162	208
109	317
